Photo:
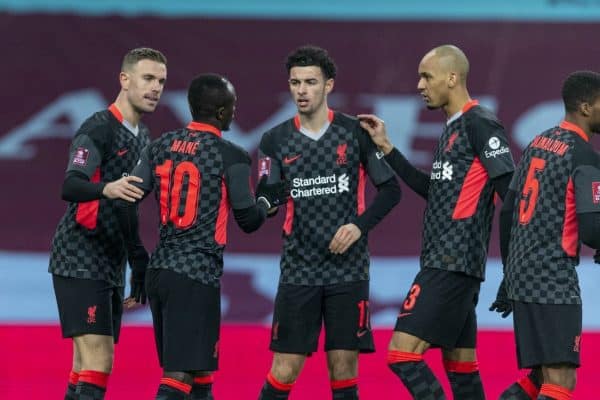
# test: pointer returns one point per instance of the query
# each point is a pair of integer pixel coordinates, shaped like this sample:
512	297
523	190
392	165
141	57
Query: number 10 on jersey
171	185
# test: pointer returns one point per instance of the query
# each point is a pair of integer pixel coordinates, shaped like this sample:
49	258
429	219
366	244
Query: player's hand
502	304
375	126
274	194
345	237
138	260
124	189
597	257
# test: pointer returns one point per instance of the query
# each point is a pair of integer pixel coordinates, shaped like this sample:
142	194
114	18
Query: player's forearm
251	218
506	217
501	184
127	217
388	195
77	188
417	180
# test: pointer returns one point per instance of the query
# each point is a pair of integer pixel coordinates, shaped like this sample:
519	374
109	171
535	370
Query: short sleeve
490	143
586	181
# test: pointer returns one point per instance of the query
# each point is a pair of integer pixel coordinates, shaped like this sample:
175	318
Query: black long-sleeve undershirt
388	195
77	188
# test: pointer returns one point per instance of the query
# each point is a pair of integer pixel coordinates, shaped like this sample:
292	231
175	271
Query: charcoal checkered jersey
543	249
98	253
327	178
460	203
193	248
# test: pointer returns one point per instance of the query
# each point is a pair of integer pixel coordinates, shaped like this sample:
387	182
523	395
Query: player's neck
127	110
315	121
575	120
456	102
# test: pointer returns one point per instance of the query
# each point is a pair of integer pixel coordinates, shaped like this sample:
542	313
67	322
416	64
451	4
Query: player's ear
452	79
124	80
585	109
220	113
329	85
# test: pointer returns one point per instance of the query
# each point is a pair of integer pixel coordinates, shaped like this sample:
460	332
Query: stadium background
60	64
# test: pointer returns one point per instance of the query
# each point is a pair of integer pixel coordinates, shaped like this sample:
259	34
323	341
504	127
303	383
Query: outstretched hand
123	188
274	194
375	126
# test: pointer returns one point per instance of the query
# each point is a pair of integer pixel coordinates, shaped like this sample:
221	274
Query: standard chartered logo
343	183
442	171
320	186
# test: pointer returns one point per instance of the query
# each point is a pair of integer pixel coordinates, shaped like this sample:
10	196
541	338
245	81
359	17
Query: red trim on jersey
174	383
97	378
461	367
200	127
360	195
570	234
204	380
87	212
284	387
116	112
528	387
345	383
289	217
73	377
574	128
470	104
555	392
330	115
221	225
471	190
395	356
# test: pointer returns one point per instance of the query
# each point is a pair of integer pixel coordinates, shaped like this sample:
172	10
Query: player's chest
333	153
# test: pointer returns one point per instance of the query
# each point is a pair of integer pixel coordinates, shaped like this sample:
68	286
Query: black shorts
87	306
440	309
301	310
547	334
186	315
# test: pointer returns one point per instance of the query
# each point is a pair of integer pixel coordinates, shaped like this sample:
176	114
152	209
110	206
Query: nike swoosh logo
122	152
289	160
362	333
404	314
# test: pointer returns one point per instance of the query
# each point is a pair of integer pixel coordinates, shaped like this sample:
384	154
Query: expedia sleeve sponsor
489	141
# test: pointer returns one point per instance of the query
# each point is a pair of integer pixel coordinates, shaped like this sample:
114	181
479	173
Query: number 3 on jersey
171	185
531	189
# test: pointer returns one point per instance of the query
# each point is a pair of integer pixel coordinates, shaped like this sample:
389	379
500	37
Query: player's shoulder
278	133
97	125
482	115
348	121
234	153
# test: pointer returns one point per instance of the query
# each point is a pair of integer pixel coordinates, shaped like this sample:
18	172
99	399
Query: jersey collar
330	116
115	112
466	107
201	127
574	128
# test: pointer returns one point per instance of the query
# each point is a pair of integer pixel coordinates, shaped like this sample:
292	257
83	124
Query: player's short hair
206	94
580	87
142	53
307	56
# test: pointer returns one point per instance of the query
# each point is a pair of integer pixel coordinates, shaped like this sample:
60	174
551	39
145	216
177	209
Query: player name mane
182	146
552	145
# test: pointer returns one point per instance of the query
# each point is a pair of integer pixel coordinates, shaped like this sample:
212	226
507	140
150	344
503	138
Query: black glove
597	257
274	194
138	261
502	304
